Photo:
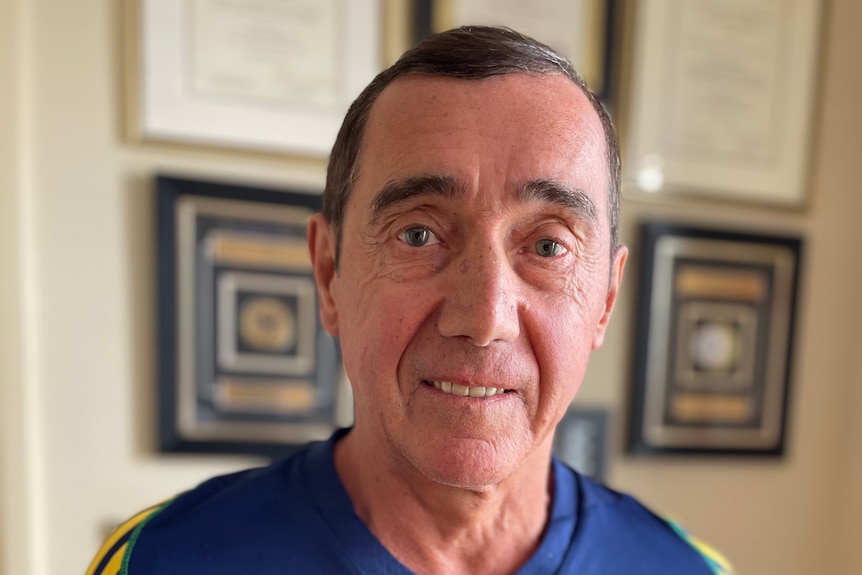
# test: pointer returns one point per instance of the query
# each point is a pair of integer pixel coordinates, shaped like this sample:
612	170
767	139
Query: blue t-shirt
295	517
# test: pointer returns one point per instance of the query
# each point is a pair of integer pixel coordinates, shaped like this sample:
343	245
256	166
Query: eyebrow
539	190
554	192
404	189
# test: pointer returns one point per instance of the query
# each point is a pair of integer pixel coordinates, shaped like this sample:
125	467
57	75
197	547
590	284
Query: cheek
559	345
561	336
377	318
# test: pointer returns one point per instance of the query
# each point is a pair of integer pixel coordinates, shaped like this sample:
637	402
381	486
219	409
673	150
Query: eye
418	236
549	248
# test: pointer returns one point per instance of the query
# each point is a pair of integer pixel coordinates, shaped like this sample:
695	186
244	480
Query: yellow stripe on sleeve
115	563
716	561
719	560
109	558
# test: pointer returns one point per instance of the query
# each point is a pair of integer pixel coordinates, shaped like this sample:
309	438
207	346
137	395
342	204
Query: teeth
465	391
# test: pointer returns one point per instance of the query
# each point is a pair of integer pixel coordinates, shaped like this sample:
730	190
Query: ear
620	256
321	247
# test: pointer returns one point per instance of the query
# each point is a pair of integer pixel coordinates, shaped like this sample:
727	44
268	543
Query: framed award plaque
714	341
245	365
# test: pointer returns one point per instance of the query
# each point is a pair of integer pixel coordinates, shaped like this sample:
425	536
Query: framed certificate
265	75
719	98
580	30
245	365
714	341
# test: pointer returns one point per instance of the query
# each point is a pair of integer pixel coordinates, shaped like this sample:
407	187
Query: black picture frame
244	363
581	441
714	340
608	47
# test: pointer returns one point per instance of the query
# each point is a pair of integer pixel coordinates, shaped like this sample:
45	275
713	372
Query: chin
467	464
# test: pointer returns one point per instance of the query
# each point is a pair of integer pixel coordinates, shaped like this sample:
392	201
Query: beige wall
14	518
77	316
840	327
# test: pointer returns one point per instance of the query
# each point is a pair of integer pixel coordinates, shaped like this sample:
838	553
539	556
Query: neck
434	528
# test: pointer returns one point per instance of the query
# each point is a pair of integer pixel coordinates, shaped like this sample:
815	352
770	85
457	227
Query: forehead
490	132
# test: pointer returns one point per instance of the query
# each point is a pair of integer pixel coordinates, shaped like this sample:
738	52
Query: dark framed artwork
584	31
581	441
245	366
714	341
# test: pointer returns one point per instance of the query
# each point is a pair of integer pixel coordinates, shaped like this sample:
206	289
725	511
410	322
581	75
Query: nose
481	299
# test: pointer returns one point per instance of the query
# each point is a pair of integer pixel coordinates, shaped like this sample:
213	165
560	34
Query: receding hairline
532	76
594	122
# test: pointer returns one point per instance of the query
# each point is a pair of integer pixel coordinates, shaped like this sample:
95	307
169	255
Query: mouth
466	391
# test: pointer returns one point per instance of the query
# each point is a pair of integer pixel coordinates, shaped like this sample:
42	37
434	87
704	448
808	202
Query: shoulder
224	511
110	558
620	525
719	564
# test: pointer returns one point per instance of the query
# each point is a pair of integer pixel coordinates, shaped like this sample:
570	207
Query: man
467	259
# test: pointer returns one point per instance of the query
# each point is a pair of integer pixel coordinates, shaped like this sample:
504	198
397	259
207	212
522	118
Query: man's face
475	260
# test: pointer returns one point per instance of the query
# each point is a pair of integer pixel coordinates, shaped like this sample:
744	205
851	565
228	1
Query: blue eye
418	236
549	248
